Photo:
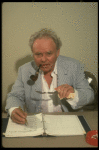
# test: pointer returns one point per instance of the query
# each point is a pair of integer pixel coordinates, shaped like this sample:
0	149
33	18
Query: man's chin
46	70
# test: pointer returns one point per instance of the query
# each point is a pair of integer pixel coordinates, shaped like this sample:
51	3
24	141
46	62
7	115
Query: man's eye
49	53
38	54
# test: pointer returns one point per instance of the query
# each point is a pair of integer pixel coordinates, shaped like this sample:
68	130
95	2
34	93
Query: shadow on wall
18	63
22	61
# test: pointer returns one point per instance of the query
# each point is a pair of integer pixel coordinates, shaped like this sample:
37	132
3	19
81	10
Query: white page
34	127
62	125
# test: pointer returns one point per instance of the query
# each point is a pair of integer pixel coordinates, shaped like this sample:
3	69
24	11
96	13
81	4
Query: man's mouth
45	65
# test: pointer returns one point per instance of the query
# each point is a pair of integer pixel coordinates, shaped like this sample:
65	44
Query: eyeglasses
47	92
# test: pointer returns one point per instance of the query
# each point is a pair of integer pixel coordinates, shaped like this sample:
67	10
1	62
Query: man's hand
18	116
65	91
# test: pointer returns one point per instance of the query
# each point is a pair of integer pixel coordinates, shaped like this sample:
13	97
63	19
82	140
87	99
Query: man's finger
16	121
61	86
69	91
18	117
21	113
64	91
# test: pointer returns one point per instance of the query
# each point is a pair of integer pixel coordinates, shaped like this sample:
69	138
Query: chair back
93	83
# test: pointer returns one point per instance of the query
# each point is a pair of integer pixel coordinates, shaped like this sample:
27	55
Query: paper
34	121
34	127
63	125
56	125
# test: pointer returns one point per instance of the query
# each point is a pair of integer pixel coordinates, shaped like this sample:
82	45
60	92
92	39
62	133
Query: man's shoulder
67	60
27	66
68	63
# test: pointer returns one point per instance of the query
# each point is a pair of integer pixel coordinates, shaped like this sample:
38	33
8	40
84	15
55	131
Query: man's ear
58	52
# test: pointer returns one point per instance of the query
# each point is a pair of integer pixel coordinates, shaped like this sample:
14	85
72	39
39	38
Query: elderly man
58	77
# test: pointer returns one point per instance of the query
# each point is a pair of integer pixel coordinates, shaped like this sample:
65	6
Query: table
67	141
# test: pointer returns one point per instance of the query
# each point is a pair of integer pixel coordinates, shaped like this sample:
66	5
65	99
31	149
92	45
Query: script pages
34	127
39	124
63	125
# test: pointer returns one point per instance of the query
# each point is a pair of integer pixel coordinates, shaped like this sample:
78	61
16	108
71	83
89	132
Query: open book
39	124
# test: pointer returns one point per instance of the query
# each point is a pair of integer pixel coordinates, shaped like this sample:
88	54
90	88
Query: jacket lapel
36	86
62	72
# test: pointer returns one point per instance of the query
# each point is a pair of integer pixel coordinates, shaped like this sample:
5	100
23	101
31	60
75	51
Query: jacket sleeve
16	97
80	83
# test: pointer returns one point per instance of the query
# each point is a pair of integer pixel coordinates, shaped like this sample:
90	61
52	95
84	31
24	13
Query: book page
63	125
34	127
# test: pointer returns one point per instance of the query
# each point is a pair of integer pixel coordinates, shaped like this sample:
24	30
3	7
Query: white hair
49	33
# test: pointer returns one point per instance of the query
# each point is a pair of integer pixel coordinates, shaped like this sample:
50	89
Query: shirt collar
55	69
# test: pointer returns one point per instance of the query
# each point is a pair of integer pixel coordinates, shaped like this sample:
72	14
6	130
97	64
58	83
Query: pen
26	123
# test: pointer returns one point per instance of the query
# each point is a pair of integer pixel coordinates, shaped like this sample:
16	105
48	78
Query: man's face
45	53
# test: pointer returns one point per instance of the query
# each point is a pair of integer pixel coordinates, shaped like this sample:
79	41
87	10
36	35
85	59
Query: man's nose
44	58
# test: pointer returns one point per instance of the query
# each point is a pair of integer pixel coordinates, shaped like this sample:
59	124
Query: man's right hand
18	116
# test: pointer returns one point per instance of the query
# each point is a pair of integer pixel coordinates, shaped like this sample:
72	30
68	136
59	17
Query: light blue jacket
69	71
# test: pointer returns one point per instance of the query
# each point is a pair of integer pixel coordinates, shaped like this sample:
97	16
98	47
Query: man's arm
81	84
17	95
83	92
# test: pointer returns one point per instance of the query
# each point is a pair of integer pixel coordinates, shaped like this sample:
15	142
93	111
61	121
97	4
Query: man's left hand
64	90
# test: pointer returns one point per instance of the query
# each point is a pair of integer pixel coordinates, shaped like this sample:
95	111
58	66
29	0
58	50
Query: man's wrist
10	110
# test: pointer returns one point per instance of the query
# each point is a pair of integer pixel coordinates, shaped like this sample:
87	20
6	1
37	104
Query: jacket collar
62	70
33	68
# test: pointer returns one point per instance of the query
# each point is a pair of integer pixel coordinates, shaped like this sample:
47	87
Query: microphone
35	77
